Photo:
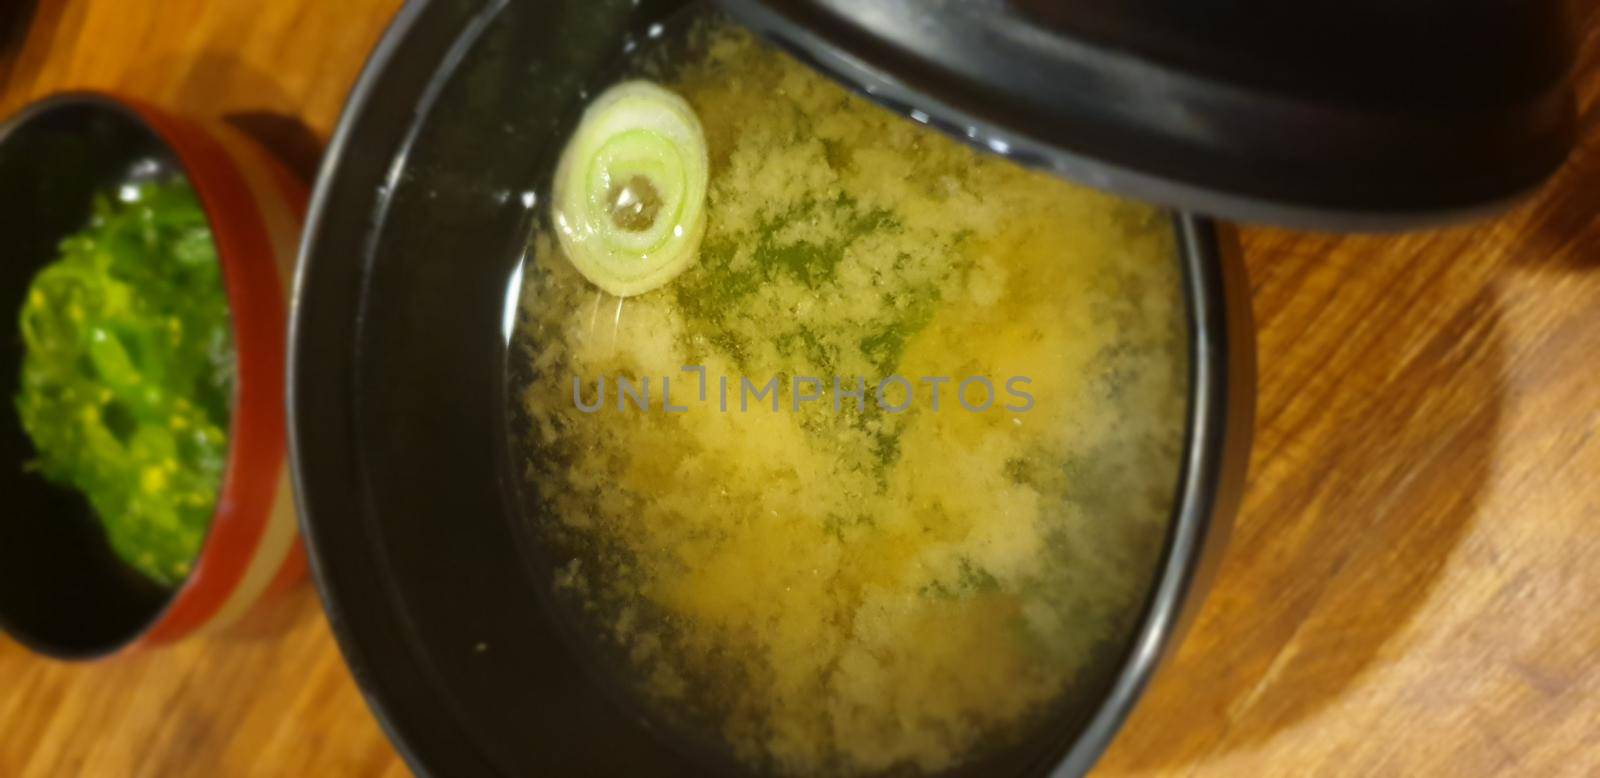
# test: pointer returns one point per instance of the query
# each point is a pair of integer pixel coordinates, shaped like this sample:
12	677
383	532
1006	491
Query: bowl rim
1216	448
257	445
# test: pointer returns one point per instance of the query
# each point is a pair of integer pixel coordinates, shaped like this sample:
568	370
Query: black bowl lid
1332	114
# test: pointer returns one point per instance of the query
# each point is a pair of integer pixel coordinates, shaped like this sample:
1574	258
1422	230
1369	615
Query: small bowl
62	590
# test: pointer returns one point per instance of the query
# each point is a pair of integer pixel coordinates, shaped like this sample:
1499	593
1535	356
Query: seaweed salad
127	374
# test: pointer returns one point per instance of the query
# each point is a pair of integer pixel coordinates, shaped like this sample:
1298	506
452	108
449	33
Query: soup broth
948	504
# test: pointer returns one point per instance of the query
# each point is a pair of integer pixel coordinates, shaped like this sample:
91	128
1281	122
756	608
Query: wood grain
1413	581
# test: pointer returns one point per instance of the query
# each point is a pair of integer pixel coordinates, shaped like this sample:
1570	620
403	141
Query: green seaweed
127	378
971	580
719	285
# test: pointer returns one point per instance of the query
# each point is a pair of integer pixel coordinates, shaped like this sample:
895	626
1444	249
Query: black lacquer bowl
399	409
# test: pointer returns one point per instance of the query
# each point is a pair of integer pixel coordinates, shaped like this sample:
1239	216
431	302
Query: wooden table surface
1413	586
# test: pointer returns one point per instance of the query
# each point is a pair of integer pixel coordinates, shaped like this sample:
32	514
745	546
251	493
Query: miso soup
876	477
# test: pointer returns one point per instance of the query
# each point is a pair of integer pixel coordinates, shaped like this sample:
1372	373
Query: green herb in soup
127	375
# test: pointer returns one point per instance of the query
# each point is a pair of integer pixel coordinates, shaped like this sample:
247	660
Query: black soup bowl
401	400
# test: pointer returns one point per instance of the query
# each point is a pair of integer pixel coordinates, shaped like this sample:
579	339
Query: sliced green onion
630	189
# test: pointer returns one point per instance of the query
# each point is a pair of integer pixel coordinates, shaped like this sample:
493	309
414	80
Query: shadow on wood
1370	461
285	137
219	87
18	20
15	17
